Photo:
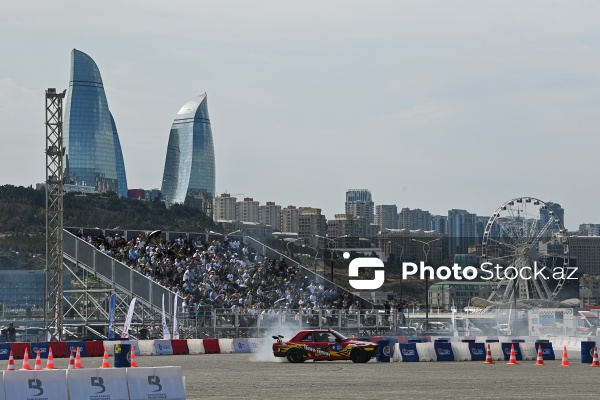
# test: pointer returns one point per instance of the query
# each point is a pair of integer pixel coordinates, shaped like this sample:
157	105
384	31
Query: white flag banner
166	333
175	327
125	334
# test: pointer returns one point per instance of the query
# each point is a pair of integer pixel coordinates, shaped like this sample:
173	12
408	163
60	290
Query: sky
429	104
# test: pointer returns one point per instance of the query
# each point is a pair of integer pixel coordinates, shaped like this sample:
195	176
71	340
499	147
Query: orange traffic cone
38	362
540	356
513	356
11	362
78	359
105	362
71	361
50	362
488	356
595	361
565	358
133	361
26	365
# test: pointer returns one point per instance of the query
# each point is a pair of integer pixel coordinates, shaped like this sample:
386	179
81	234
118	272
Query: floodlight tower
53	316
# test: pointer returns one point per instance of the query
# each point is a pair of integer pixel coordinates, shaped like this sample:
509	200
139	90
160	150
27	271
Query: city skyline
450	106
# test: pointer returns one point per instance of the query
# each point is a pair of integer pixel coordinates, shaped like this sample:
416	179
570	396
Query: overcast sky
429	104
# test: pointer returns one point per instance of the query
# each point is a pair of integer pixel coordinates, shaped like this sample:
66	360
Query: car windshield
339	335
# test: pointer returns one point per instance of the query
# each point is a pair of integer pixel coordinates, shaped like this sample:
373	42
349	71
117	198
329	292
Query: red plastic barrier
94	348
180	346
375	339
18	349
59	349
403	339
211	346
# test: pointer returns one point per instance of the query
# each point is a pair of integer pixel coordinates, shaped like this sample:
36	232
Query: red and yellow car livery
323	345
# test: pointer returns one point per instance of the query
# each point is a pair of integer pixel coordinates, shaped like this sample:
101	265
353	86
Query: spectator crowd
223	274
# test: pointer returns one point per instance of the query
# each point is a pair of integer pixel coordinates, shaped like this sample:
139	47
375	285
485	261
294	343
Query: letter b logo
366	284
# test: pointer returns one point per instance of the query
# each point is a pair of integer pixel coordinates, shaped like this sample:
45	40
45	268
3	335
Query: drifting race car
323	345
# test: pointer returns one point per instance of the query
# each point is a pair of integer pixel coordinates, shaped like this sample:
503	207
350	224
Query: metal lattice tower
53	318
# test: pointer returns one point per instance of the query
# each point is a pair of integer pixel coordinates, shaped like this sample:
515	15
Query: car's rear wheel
295	356
359	355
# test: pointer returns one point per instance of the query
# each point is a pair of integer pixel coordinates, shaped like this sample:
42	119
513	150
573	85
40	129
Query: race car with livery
323	345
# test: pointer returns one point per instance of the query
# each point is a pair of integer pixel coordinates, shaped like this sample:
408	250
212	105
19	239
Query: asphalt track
237	376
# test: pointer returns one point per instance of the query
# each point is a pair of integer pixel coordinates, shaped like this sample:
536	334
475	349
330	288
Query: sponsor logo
387	351
443	352
408	352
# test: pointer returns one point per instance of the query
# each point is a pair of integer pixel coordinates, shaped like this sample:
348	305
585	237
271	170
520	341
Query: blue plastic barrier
492	341
72	346
547	350
517	340
468	340
443	351
241	345
42	347
4	351
383	351
393	340
477	350
409	352
506	350
415	339
587	352
122	356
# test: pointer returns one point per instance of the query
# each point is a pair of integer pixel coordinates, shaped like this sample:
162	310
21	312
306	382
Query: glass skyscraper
189	175
93	150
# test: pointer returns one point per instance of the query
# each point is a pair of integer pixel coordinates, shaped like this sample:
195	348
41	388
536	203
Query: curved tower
93	150
189	175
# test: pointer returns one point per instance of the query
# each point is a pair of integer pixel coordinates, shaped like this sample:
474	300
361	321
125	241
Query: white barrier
163	347
254	345
226	346
146	348
156	383
497	353
195	346
461	351
397	357
2	397
97	383
426	351
528	351
45	384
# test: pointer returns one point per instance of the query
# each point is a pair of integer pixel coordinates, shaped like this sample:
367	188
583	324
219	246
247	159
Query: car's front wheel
295	356
359	355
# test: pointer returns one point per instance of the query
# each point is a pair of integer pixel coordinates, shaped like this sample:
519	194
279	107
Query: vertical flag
166	333
111	317
175	327
453	309
125	334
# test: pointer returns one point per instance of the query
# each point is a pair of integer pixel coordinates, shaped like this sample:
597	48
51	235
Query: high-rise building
359	203
386	216
351	231
462	231
439	223
310	223
553	210
93	150
225	208
416	219
589	230
270	214
247	210
189	175
289	219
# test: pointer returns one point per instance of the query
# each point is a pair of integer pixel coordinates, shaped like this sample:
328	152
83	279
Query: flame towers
189	175
93	151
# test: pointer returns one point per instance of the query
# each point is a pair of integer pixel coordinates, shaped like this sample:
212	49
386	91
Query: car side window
328	337
307	338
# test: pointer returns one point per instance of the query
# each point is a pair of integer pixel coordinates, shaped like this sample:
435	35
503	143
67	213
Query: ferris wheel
523	234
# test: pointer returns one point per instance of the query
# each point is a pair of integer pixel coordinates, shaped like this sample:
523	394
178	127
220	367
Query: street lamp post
334	241
426	248
390	242
315	260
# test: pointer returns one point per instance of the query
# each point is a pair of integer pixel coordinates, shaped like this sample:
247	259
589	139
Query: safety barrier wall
60	384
